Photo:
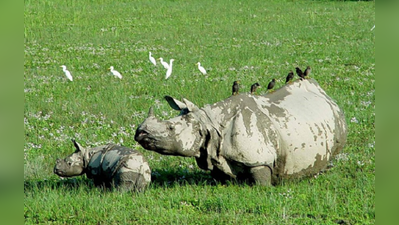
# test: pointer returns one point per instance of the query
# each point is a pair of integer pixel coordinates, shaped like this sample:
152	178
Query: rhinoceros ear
77	146
175	104
190	106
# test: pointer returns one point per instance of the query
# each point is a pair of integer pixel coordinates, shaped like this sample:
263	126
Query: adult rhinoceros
291	132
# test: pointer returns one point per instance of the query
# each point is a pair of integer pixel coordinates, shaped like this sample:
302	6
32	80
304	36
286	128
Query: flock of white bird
167	66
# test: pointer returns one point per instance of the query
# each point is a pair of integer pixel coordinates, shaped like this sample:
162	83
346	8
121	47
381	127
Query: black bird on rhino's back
254	87
290	76
235	87
271	84
299	72
307	72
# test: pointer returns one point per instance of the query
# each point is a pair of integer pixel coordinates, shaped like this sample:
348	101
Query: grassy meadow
251	41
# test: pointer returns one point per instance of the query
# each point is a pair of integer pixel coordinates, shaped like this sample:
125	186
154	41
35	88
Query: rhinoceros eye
170	127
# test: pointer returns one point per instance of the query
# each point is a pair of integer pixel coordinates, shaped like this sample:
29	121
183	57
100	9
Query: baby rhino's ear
78	147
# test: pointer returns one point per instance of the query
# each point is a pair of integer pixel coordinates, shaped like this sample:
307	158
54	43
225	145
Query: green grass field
250	41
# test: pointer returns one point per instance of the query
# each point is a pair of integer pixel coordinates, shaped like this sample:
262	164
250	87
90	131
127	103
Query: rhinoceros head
72	165
181	136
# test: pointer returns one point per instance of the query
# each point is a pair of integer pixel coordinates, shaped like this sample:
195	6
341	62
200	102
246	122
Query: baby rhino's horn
151	112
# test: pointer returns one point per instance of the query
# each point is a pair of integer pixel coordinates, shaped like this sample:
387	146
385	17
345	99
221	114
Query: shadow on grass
161	178
180	177
55	183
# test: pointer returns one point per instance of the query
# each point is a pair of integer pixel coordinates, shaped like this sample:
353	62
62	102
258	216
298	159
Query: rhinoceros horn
151	112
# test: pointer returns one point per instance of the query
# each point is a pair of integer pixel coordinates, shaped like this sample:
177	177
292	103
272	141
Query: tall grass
251	41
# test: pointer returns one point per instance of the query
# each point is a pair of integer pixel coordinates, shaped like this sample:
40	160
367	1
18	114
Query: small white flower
371	145
366	103
354	120
342	157
184	203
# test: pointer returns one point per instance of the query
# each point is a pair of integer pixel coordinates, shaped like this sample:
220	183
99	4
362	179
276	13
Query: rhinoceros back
294	130
310	124
120	166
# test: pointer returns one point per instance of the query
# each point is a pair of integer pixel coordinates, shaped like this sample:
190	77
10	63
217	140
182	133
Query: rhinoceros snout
59	167
140	135
145	139
57	171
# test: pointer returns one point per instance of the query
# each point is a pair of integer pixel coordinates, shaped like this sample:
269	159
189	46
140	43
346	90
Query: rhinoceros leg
261	175
130	181
220	176
101	183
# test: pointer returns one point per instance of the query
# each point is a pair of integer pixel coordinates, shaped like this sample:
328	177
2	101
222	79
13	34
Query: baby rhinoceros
108	165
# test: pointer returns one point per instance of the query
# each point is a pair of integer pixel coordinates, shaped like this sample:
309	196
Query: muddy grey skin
108	165
291	132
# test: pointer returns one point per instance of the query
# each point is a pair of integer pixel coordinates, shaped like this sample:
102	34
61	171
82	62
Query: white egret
115	73
202	69
169	71
372	28
152	59
164	64
67	73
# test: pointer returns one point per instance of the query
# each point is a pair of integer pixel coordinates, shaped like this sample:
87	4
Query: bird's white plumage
67	73
169	71
115	73
152	59
372	28
164	64
201	69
